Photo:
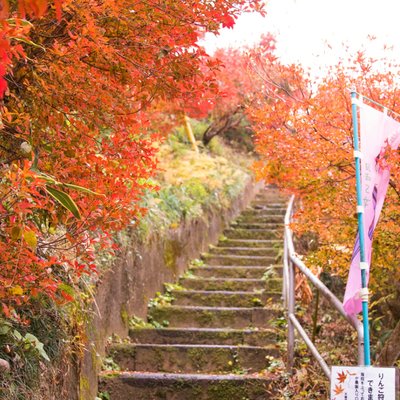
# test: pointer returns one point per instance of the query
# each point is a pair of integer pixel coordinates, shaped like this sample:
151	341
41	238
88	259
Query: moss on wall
172	251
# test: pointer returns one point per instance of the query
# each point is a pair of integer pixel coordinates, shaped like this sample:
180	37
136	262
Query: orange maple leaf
338	389
341	377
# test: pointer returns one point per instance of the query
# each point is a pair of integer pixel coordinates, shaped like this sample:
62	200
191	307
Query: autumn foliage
304	136
238	86
81	83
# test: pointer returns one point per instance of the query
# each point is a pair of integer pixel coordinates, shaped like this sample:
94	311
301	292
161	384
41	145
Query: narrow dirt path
219	335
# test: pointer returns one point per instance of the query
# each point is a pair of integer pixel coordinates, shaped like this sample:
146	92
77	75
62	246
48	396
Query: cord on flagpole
360	216
362	97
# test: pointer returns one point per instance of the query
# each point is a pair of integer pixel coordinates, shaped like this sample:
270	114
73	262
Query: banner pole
360	217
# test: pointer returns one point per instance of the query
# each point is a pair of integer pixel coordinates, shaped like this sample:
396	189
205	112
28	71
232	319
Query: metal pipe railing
289	262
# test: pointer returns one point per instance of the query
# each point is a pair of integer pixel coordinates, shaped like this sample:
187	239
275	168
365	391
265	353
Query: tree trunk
227	121
391	351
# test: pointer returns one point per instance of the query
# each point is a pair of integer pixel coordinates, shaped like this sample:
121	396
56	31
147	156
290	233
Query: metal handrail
290	261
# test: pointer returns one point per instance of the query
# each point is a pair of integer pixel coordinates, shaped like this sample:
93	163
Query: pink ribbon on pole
378	132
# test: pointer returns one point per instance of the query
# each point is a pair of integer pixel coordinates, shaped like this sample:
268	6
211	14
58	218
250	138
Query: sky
303	28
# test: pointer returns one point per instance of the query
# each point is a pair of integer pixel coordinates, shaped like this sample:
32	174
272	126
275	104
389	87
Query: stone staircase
219	338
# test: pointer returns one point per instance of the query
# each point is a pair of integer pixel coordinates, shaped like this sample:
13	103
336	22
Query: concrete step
191	358
258	219
233	271
258	225
268	221
271	195
247	337
232	233
214	317
262	211
254	243
244	251
161	386
233	284
257	222
244	260
277	202
227	271
265	205
219	298
270	192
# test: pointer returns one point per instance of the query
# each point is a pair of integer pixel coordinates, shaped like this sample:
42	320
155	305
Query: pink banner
378	131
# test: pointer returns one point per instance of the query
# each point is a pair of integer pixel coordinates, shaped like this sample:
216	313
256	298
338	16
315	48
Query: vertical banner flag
378	133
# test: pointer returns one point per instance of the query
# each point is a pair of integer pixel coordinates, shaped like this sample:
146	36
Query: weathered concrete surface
149	386
261	337
250	285
223	298
191	358
140	271
220	322
214	317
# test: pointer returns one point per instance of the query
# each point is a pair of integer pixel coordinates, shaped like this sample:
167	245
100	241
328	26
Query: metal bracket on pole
358	154
364	265
364	294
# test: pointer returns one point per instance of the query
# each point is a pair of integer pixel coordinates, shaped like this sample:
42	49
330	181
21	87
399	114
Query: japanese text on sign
363	383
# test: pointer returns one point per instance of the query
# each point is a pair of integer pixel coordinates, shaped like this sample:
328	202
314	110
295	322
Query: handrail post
289	286
361	345
285	283
291	309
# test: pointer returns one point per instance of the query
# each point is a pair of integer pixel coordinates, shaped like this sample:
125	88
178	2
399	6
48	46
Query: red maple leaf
227	21
342	376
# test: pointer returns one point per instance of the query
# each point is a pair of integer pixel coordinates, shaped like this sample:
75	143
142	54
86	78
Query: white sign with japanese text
363	383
